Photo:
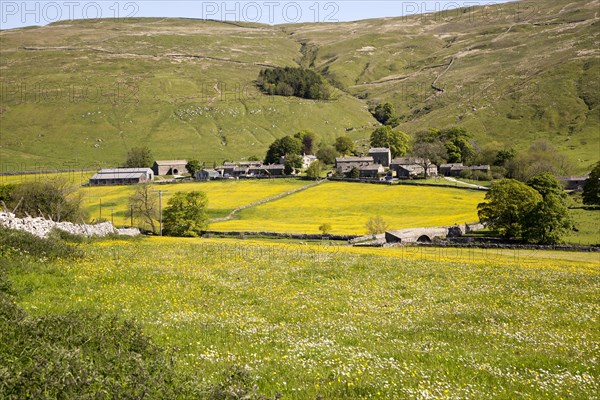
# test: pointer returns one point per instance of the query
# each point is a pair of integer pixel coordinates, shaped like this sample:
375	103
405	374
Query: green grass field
340	322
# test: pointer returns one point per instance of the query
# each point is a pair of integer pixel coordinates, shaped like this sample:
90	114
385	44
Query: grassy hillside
85	91
515	73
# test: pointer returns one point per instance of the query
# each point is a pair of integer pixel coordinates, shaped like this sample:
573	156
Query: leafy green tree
506	205
315	169
344	145
325	228
308	140
397	141
292	162
193	166
354	173
429	150
327	154
458	144
503	156
289	81
386	114
549	220
591	189
376	225
284	146
186	214
139	157
546	184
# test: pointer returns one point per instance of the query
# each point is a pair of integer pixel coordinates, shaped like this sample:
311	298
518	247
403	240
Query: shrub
466	173
376	225
14	241
186	214
54	199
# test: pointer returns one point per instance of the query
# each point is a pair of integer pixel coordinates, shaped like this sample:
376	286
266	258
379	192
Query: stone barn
169	167
121	176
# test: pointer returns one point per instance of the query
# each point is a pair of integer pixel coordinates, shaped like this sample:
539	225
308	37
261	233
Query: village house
343	165
235	169
270	170
308	159
573	182
406	161
381	155
454	169
121	176
208	174
411	167
371	171
250	169
169	167
414	171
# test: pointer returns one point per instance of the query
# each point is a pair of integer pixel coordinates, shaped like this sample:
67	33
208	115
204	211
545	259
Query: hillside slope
83	92
86	91
514	73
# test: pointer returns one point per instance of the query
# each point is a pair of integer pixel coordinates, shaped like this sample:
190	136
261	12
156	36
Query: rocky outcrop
42	227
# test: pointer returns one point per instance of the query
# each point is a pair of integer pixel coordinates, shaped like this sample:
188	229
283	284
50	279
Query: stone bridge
417	235
422	235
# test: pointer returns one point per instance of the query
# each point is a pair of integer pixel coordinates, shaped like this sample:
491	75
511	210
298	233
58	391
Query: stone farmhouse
381	155
121	176
207	175
454	169
371	171
414	171
412	167
244	169
343	165
170	167
573	182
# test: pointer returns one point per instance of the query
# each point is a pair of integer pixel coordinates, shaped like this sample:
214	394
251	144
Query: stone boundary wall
466	242
305	236
46	171
42	227
404	182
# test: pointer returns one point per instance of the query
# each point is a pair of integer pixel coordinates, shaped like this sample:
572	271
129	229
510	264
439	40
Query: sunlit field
341	322
348	207
223	196
74	178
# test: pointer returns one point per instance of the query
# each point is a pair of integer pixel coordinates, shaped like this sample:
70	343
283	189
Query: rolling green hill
83	92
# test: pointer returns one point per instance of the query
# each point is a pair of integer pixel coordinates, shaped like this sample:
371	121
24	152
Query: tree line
289	81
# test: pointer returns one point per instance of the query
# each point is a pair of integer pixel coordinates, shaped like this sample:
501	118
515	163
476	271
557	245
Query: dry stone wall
41	227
